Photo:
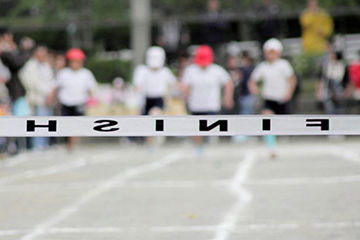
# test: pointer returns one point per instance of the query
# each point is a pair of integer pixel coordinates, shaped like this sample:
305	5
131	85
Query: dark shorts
204	113
276	107
72	110
152	103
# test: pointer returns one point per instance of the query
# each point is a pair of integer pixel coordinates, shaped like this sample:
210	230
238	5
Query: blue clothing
245	73
39	143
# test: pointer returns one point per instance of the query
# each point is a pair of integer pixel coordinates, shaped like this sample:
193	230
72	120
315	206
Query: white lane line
228	225
305	181
81	162
345	154
182	184
199	228
64	213
16	160
85	230
60	168
135	184
11	232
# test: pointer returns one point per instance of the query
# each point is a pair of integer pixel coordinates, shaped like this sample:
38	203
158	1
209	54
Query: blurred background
153	57
115	35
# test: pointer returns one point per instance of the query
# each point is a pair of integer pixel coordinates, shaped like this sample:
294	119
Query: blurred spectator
317	27
279	84
118	92
172	36
38	80
153	80
4	100
215	25
333	83
202	84
59	62
268	25
14	57
246	101
354	75
74	87
183	63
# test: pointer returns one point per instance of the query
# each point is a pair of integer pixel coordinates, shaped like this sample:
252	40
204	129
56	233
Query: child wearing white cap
279	83
153	79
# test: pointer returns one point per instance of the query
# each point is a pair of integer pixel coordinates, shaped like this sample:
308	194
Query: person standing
202	83
214	30
74	86
267	14
14	57
172	36
279	83
317	27
38	79
334	81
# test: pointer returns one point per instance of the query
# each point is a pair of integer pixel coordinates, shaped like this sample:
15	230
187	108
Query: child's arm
291	89
228	94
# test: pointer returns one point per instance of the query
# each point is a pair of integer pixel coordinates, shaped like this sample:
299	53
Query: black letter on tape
159	125
223	124
324	124
106	124
266	124
30	126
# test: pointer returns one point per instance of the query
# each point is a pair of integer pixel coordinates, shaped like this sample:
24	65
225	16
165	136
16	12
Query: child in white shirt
279	83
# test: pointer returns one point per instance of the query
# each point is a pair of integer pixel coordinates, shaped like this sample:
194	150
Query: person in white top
279	83
153	80
74	86
38	79
202	84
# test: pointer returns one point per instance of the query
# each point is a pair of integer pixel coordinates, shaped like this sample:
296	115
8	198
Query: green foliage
109	9
106	71
307	65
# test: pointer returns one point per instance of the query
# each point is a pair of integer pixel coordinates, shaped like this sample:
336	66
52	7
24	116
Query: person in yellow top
317	27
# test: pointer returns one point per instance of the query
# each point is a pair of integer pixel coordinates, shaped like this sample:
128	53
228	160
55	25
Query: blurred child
354	77
4	100
74	86
246	100
202	84
38	80
333	83
279	83
153	81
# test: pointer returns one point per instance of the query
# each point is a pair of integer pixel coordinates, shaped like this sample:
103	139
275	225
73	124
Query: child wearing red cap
74	85
203	82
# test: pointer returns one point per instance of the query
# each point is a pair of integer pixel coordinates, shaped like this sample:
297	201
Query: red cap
75	54
203	56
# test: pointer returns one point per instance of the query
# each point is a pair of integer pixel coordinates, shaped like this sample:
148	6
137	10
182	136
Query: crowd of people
37	81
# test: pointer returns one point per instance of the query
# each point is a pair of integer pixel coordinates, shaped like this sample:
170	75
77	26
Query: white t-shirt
205	87
74	86
153	83
38	79
275	77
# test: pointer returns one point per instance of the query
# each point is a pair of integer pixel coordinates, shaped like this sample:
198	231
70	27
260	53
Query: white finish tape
215	125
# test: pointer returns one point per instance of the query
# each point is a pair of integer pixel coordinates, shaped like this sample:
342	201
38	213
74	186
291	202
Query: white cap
155	57
273	44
